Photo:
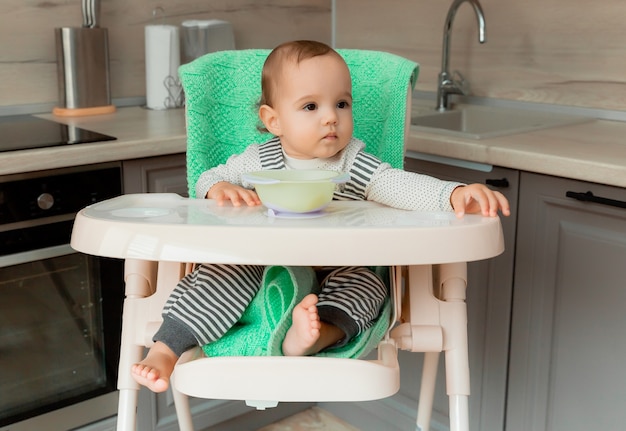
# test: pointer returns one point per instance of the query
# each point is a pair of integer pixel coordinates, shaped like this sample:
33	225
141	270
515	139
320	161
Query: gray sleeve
230	171
409	190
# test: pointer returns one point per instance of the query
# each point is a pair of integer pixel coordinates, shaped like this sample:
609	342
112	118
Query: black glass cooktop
22	132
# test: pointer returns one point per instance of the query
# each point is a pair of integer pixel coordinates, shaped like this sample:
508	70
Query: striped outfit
210	300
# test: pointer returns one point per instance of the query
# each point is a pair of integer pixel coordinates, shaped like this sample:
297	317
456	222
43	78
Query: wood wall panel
567	52
27	47
551	51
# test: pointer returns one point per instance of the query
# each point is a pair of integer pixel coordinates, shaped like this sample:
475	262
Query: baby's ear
269	117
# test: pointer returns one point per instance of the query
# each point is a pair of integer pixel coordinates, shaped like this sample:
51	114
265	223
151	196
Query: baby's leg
202	307
170	341
307	335
350	298
213	298
155	370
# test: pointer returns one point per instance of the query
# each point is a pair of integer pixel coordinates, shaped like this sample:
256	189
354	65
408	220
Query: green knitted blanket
222	92
262	328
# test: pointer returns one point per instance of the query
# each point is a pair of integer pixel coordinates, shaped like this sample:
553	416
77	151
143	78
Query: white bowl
296	191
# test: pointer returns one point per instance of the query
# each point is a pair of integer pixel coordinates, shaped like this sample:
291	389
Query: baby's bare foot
304	332
155	370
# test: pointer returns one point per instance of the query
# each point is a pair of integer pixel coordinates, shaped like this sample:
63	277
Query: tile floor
314	418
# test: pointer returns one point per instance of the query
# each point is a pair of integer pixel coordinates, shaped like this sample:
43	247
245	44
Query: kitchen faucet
447	83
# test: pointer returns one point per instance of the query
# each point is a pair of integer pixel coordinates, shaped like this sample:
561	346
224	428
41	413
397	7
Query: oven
60	311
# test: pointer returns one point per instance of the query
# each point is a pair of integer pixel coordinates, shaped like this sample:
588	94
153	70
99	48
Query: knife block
83	71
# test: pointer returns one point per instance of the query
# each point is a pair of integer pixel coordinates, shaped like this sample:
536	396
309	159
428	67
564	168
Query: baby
306	103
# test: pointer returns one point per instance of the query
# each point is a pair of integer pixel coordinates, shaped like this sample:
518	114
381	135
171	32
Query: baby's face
314	107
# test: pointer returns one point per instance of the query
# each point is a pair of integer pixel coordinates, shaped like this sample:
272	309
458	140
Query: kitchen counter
140	133
592	151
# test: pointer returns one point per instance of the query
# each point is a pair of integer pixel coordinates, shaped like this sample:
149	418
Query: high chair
157	234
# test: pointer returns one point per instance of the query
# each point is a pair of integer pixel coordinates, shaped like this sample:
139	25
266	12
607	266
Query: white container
204	36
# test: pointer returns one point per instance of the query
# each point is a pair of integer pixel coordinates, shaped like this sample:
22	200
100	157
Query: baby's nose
330	117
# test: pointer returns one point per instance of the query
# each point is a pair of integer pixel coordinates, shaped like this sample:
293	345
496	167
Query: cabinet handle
590	197
502	183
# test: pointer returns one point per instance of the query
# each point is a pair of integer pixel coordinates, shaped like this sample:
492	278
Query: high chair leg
427	390
435	323
453	278
130	354
138	276
126	411
181	403
459	413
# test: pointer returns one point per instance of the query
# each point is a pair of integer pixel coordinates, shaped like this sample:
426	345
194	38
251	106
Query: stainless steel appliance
60	311
204	36
83	66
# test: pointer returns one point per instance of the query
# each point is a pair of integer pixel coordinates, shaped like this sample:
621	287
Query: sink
480	122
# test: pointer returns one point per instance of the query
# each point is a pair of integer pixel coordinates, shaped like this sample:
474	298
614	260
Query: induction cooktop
22	132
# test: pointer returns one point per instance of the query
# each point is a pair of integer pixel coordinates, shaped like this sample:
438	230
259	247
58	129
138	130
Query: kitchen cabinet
567	341
162	174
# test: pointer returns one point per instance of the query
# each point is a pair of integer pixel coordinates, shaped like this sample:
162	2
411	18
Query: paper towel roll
163	89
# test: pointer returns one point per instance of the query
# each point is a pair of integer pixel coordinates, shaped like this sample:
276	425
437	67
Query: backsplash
28	73
564	52
557	52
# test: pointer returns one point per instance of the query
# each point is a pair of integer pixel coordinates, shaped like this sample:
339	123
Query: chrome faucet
447	83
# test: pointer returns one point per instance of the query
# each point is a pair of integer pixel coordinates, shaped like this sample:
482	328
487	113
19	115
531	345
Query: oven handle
34	255
37	222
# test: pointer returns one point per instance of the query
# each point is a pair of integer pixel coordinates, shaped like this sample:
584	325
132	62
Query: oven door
60	322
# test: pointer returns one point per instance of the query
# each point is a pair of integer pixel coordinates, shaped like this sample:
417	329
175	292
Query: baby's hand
225	191
478	198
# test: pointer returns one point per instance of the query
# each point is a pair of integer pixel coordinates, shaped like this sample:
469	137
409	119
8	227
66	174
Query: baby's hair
296	52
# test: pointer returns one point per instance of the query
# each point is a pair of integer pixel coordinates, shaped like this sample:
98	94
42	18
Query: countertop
140	133
592	151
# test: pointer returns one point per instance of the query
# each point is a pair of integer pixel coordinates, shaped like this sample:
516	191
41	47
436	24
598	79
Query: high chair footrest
296	379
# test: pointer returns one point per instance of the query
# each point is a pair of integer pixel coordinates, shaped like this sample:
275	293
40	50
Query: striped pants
210	300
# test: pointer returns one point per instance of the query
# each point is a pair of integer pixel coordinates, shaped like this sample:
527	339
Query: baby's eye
343	105
310	107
